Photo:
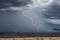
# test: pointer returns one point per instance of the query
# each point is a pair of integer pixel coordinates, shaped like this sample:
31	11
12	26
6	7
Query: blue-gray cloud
18	22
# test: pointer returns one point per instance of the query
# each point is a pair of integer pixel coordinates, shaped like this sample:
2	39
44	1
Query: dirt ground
32	38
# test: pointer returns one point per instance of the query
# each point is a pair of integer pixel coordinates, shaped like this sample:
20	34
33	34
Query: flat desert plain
32	38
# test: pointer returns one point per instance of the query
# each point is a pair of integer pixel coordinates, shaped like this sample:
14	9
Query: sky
29	16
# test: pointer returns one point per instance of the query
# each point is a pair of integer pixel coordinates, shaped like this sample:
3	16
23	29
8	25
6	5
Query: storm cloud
20	16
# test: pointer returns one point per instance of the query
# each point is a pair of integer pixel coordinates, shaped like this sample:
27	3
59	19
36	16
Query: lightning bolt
32	20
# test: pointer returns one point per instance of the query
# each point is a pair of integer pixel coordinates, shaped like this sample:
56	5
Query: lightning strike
32	20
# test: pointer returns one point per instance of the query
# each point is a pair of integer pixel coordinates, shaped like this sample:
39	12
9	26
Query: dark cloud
8	3
53	10
17	22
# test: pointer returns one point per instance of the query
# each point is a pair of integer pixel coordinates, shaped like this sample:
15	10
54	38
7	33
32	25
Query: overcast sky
12	18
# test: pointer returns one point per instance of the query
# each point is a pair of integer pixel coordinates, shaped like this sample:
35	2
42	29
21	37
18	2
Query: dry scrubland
32	38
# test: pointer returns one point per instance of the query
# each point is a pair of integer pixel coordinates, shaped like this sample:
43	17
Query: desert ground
32	38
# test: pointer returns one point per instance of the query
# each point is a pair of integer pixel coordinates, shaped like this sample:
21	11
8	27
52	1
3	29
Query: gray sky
16	16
